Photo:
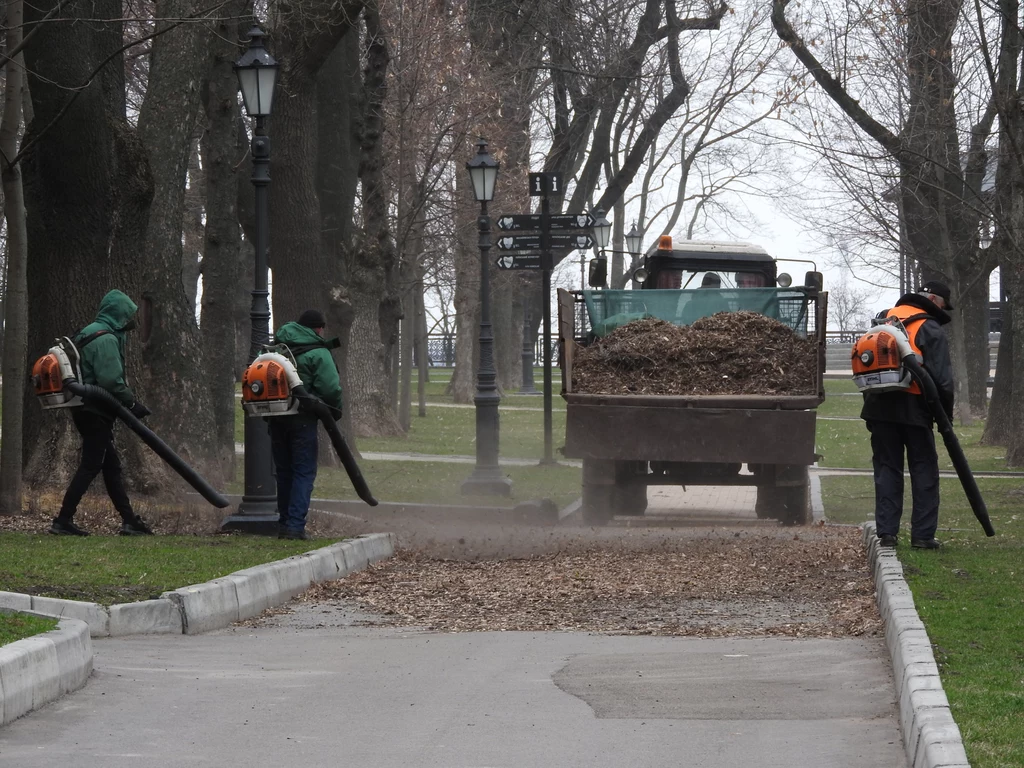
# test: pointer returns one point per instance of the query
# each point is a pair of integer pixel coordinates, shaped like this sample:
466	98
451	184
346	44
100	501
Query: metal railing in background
441	351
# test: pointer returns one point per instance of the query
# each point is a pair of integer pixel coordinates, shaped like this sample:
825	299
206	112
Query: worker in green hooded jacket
101	351
293	439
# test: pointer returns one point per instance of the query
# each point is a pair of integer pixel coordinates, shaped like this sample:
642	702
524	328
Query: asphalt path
319	688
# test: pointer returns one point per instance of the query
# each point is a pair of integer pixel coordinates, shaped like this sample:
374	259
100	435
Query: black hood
927	305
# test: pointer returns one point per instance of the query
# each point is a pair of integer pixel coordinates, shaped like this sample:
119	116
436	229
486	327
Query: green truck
629	442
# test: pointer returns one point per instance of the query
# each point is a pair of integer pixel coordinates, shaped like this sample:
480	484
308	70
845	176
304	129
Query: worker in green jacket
293	439
101	351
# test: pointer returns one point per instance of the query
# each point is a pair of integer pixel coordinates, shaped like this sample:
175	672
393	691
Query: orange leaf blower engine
878	359
270	382
51	373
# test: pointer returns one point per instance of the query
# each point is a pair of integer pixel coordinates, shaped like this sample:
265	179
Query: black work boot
925	543
60	527
135	526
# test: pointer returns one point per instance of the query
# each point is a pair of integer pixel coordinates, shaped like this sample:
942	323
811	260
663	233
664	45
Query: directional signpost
555	222
533	251
535	242
519	261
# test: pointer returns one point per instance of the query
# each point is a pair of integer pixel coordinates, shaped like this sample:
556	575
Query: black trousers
98	455
888	443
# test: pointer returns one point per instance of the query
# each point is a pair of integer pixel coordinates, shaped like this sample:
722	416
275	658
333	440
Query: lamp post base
256	515
487	482
529	390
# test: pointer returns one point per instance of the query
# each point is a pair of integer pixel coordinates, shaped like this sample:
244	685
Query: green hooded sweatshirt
103	357
316	367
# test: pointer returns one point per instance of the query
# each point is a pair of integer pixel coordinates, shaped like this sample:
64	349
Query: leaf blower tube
101	398
320	409
956	453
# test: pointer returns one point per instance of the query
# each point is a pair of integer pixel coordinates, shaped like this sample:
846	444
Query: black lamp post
257	75
487	477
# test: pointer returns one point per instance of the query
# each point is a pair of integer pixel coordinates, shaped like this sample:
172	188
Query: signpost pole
546	259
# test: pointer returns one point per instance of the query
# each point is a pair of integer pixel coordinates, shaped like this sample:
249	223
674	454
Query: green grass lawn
113	569
970	595
18	626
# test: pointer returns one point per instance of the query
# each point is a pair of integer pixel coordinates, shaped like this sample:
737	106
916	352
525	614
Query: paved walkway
318	690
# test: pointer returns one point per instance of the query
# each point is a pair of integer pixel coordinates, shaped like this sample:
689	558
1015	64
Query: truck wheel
630	499
789	504
597	504
794	505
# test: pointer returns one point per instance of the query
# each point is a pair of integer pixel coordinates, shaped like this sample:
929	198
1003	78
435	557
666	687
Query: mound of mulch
730	353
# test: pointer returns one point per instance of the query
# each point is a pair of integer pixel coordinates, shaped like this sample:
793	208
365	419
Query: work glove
139	411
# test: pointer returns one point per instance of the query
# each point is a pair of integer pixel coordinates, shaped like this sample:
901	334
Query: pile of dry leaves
814	584
730	353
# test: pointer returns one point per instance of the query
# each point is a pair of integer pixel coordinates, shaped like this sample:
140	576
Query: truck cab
694	264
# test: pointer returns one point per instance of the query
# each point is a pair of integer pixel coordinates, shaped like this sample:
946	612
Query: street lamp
634	241
257	75
487	477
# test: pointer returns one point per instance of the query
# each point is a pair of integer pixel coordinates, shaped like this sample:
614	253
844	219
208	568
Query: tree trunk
224	287
423	364
1015	443
999	426
374	274
339	114
467	305
88	189
16	300
175	383
192	223
975	310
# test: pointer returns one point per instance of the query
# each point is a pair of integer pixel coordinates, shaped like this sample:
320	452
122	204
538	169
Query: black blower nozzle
102	399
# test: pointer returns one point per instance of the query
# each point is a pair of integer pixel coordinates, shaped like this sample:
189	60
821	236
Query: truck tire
597	504
630	499
795	505
789	504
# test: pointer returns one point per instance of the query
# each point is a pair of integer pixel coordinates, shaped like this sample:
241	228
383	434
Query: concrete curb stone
40	669
931	738
146	617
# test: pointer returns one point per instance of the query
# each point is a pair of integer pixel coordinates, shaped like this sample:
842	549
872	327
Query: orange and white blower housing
877	358
52	371
270	384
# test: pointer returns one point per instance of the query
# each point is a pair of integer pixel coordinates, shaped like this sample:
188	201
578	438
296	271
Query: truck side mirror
814	280
598	275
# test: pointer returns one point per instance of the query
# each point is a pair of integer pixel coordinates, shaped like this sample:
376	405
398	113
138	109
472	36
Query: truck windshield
685	278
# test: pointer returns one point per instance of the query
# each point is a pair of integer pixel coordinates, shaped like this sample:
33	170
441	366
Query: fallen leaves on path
815	584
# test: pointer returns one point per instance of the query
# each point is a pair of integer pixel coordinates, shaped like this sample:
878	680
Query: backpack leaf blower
56	379
271	387
884	361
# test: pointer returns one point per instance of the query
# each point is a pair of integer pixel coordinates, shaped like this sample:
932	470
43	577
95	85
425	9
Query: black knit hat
312	318
939	289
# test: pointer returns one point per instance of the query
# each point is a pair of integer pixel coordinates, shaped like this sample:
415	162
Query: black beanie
312	318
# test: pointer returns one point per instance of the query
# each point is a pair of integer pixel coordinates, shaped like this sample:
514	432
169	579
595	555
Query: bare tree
939	181
15	288
847	306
